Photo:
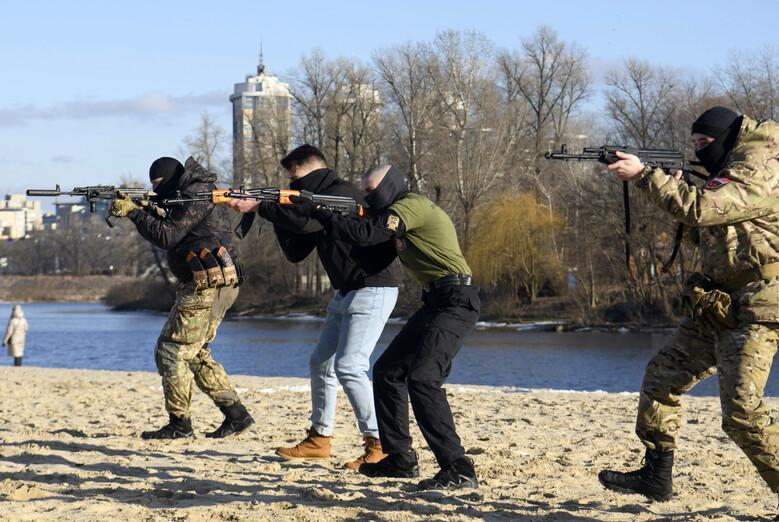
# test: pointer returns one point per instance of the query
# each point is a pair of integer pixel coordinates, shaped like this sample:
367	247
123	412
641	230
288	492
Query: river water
90	336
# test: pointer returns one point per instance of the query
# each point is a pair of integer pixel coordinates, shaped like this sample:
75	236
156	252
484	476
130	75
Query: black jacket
348	267
189	227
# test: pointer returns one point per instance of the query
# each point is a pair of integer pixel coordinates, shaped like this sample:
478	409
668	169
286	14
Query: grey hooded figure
15	334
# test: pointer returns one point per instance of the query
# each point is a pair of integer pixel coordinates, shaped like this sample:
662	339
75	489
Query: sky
93	92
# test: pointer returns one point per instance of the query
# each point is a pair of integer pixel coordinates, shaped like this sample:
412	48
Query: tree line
469	124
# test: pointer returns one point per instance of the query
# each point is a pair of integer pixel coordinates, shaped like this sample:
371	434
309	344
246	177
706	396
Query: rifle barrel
43	192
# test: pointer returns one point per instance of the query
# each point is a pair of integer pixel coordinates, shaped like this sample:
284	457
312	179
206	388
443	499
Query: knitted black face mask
391	189
713	155
170	170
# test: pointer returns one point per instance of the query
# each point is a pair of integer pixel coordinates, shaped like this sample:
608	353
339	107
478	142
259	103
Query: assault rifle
342	204
666	159
96	192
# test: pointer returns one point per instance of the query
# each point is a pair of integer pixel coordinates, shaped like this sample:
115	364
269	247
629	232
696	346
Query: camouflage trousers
182	353
742	357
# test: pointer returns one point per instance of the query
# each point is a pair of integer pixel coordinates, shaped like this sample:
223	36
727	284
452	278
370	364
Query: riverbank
57	288
70	450
547	314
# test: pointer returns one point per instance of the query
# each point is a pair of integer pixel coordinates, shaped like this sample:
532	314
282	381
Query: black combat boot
404	464
459	474
653	480
236	420
177	428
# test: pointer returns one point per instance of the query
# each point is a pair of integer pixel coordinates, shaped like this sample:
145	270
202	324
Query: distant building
19	217
261	127
66	210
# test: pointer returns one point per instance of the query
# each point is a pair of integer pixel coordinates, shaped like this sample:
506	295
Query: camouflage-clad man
198	241
733	324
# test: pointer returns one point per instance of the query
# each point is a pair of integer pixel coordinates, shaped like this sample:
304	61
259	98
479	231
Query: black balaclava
310	181
391	188
170	170
723	125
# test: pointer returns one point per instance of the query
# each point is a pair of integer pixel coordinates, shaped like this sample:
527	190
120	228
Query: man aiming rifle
732	323
200	254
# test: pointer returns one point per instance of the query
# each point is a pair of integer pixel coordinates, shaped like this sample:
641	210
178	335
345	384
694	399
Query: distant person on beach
15	334
732	327
419	359
197	237
365	295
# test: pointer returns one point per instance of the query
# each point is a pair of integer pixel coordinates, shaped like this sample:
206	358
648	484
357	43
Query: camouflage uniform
182	353
735	221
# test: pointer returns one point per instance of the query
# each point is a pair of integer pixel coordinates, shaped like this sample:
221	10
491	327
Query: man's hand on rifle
244	206
628	167
306	207
122	205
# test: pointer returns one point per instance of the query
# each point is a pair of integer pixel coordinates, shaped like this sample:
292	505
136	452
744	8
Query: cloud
63	159
143	106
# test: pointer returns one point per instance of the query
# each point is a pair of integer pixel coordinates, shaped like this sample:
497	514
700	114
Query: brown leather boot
373	453
314	446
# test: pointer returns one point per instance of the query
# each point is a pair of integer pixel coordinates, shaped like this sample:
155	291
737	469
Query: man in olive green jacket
417	362
733	324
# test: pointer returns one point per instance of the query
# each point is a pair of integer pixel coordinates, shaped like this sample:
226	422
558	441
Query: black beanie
714	122
170	170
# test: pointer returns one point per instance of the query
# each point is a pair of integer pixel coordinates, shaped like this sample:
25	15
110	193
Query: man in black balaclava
196	237
165	174
391	188
731	326
418	361
714	134
366	292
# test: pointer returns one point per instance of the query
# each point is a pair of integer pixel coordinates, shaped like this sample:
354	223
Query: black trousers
415	366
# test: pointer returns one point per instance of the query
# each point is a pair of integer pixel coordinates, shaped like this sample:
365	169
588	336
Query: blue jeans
352	327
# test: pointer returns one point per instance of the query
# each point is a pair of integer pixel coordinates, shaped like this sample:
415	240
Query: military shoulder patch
393	222
715	183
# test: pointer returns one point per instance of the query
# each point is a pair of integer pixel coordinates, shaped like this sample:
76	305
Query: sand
70	450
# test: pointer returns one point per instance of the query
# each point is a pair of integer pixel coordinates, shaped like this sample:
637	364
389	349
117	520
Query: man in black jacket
197	238
417	362
365	295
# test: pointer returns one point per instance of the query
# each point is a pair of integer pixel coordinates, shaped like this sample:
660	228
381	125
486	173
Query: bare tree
472	138
640	100
406	83
270	142
363	139
549	76
750	82
205	145
545	84
311	87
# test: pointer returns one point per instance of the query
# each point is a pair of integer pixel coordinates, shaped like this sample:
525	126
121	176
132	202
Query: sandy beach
70	450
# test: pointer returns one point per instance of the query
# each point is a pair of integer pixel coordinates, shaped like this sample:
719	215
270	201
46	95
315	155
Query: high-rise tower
261	127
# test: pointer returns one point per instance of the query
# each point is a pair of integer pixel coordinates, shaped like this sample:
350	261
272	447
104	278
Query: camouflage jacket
190	227
735	215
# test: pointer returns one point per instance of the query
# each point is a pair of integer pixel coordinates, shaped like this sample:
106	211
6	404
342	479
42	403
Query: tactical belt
749	276
450	280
